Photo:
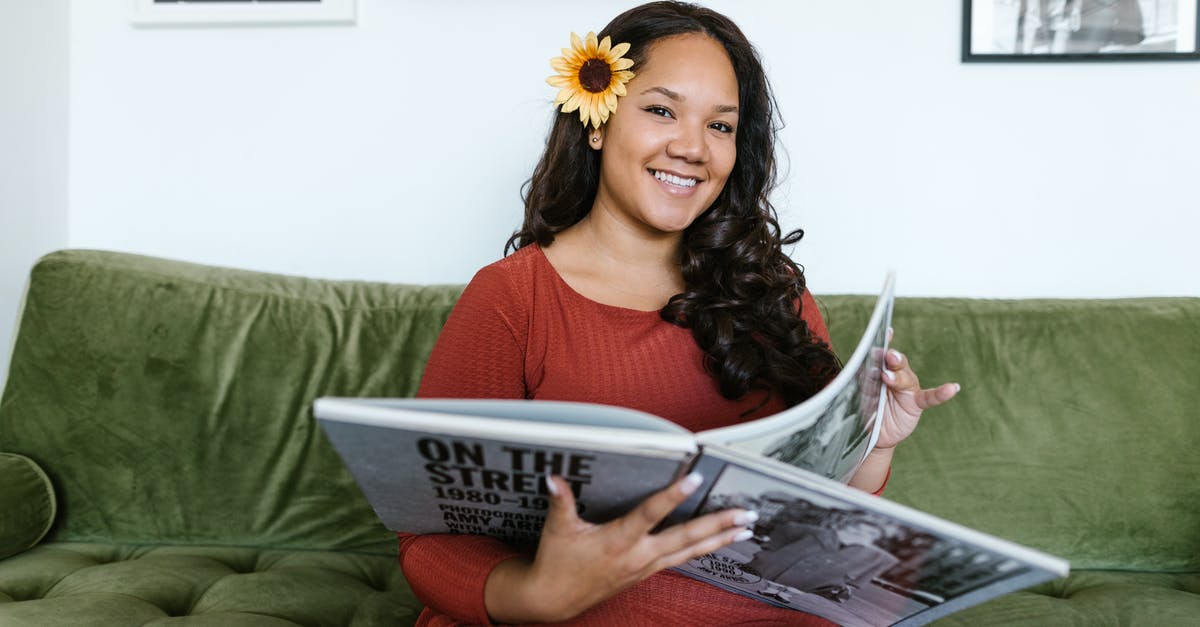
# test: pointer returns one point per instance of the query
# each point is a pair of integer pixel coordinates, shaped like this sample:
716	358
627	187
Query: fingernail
896	354
745	517
743	535
551	486
957	388
691	482
889	375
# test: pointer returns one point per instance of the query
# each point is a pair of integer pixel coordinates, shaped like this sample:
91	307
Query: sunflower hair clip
591	75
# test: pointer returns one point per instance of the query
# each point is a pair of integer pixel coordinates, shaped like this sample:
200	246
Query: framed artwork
1080	30
247	12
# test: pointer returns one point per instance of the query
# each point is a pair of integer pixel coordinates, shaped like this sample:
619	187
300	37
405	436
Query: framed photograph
243	12
1080	30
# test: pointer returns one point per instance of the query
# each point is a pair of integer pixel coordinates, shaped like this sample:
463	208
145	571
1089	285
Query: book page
832	432
825	549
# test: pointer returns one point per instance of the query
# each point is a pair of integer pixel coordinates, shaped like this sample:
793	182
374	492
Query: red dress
519	331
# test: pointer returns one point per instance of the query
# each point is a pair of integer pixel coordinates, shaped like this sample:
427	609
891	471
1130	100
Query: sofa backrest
171	402
1077	430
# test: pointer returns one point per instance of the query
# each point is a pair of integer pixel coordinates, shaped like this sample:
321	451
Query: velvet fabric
169	404
27	504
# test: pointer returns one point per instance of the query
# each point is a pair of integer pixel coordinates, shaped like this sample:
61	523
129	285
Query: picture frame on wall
241	12
1080	30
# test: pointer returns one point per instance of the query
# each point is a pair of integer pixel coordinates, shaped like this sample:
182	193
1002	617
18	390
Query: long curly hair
742	297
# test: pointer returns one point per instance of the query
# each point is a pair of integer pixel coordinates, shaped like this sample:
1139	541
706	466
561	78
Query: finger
891	332
897	374
936	396
651	512
562	515
704	545
698	529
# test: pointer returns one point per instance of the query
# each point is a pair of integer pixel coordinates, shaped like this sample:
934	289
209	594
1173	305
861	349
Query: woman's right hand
579	564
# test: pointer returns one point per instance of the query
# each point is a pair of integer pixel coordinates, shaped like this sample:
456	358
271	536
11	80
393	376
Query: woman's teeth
674	180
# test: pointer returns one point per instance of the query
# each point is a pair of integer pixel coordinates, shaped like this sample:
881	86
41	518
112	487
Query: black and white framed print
1079	30
244	12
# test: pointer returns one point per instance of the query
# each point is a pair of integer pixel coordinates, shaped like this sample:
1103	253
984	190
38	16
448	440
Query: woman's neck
608	262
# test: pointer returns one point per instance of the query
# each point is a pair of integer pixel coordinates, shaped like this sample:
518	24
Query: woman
648	273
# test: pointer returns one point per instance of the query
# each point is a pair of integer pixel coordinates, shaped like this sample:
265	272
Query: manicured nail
743	535
745	517
957	388
551	486
691	482
896	354
890	376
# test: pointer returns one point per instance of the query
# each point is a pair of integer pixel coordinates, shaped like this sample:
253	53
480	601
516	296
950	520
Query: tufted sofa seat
68	583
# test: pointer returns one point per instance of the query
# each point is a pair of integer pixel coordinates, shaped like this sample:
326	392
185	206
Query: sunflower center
595	75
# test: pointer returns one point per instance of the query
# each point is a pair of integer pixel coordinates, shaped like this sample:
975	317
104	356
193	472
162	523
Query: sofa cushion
1091	598
170	403
27	502
79	584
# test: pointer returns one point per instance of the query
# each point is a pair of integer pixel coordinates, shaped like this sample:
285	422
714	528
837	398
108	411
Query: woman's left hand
906	400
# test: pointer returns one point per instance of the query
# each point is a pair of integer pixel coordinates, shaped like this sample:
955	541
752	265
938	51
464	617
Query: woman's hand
579	564
905	399
901	411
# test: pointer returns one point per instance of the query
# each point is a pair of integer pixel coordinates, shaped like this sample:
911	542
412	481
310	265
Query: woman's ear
596	139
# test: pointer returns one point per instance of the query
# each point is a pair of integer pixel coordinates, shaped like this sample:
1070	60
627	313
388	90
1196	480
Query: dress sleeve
448	572
479	354
811	314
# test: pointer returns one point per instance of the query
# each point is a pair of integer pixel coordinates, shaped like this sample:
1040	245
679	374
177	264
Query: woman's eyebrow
678	97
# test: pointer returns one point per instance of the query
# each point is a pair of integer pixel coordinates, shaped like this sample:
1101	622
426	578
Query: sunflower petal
605	46
564	95
590	50
560	81
624	76
563	66
617	88
572	103
618	51
610	101
621	64
576	43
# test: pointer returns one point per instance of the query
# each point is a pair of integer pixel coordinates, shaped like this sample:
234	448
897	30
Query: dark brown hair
742	295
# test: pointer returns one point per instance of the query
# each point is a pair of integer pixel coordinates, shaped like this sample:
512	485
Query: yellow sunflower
590	76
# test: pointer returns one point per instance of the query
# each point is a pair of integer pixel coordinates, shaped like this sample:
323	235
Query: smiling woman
648	273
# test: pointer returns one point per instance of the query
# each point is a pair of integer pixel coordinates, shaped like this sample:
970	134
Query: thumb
562	515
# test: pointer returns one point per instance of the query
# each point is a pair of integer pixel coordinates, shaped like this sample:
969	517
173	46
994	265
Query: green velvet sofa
159	464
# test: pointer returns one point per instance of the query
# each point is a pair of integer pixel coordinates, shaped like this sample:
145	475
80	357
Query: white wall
33	146
394	150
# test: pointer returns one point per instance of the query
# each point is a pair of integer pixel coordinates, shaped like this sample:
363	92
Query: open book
479	467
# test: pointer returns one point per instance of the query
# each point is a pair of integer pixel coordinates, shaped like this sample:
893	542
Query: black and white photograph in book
842	437
1075	30
819	555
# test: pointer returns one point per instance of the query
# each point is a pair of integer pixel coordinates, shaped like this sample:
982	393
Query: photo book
819	546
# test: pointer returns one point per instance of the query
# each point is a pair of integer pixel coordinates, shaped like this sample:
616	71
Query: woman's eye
657	110
721	127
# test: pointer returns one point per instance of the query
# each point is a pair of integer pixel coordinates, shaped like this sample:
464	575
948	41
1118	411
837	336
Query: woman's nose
688	144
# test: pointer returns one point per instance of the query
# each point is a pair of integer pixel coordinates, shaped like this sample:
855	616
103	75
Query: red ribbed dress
519	331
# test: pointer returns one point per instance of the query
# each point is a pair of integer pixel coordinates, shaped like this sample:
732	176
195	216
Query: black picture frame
1080	30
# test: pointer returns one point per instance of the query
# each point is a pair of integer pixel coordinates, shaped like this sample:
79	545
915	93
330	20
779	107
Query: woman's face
670	146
